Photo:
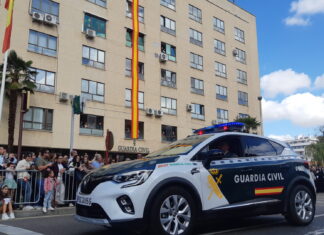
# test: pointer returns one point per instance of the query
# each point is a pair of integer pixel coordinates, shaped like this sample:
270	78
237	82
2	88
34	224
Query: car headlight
134	177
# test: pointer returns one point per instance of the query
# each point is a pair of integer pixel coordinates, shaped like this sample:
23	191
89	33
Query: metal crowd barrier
26	188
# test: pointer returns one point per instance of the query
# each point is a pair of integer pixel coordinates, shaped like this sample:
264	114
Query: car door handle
195	171
247	170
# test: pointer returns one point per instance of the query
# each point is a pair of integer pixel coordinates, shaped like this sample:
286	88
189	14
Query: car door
221	173
268	169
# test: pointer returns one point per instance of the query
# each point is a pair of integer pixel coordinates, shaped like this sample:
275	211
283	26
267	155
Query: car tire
301	206
173	208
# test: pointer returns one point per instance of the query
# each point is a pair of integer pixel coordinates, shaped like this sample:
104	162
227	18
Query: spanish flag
6	42
135	70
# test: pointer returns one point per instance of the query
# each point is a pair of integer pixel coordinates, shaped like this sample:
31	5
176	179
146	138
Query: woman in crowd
10	181
59	168
5	203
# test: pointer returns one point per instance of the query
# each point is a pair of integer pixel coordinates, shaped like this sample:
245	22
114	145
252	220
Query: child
5	203
10	181
49	187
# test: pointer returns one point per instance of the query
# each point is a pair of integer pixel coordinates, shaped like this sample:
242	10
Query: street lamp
260	104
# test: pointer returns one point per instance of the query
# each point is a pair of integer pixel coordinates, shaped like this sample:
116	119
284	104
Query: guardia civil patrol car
218	171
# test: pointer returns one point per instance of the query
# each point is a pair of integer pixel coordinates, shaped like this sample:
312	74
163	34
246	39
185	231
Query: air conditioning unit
90	33
189	107
214	122
37	16
149	111
64	97
50	19
163	57
235	53
158	113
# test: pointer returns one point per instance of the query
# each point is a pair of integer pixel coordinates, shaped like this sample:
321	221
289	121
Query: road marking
41	217
321	215
10	230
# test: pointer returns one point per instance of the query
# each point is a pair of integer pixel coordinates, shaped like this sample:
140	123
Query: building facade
300	143
198	66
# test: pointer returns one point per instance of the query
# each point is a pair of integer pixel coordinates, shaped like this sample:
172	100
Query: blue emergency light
230	126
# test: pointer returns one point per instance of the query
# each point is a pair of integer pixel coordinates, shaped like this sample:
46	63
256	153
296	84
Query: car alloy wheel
304	205
175	214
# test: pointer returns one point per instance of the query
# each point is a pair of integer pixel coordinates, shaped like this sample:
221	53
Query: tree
18	79
250	123
316	150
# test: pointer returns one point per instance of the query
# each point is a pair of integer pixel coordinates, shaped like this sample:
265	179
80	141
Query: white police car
169	190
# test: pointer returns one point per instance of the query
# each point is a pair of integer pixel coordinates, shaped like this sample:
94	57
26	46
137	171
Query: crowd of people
43	181
318	172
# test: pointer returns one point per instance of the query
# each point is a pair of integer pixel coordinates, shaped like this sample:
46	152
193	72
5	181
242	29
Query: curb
36	213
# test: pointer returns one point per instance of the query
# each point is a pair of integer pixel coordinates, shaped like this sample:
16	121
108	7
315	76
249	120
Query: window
168	78
278	147
195	37
243	115
102	3
197	86
241	76
168	133
243	98
129	33
221	92
42	43
38	119
169	105
219	47
95	23
239	34
168	25
93	57
128	130
46	6
128	69
91	125
196	61
169	4
240	56
195	14
129	11
222	116
45	80
169	50
219	25
220	69
128	99
198	111
254	146
91	90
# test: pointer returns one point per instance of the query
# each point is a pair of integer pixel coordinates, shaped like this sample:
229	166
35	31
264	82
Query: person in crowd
10	180
49	189
66	160
98	161
5	203
59	168
24	184
43	165
12	159
2	158
139	156
74	153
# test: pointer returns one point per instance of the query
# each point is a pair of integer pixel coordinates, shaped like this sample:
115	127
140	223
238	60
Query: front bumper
92	220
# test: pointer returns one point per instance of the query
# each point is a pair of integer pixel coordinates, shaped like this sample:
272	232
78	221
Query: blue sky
298	46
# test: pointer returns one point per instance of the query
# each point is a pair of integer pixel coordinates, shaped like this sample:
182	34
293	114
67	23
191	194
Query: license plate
86	201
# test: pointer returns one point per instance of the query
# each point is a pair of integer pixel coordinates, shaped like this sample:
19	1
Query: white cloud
281	137
304	110
284	82
297	20
303	8
319	82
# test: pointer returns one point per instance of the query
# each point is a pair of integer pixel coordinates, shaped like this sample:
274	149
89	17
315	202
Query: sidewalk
35	213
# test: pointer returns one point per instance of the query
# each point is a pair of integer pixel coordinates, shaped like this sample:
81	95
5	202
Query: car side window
278	147
254	146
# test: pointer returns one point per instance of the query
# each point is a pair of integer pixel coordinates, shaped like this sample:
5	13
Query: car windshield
180	147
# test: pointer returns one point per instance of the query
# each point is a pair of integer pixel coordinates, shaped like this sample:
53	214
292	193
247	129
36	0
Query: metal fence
26	188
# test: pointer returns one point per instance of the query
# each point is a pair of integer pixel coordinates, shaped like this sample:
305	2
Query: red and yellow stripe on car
268	191
135	70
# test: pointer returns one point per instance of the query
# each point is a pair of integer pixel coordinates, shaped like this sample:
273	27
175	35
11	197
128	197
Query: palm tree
19	78
250	123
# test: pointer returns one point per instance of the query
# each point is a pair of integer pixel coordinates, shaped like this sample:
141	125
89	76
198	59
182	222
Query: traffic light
77	105
26	101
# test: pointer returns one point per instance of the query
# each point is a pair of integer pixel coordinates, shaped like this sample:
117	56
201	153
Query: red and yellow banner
268	191
6	41
135	70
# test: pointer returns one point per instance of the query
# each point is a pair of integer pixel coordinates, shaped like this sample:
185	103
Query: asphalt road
66	225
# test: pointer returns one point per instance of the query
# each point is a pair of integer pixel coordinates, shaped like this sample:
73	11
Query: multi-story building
300	143
198	66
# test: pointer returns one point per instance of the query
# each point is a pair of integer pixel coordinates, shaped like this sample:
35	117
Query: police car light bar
230	126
